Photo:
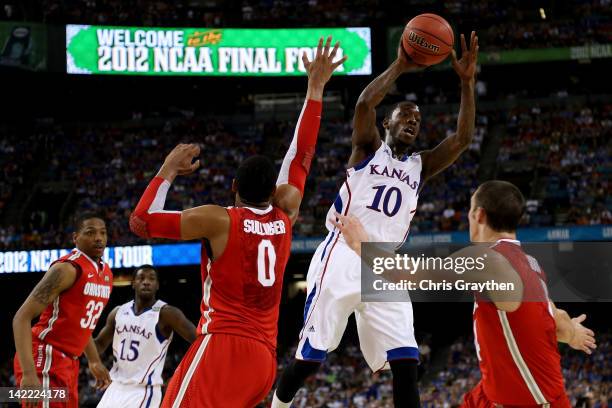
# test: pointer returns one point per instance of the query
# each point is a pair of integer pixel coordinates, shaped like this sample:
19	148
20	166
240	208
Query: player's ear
74	238
385	123
234	186
481	215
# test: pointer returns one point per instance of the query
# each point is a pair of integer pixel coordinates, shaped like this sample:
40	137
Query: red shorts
476	398
54	369
221	370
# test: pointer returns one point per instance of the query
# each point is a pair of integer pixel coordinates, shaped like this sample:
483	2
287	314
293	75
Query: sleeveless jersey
67	323
242	287
139	349
382	192
517	351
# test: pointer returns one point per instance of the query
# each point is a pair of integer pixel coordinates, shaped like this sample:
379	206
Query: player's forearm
296	164
22	334
91	351
467	114
375	92
149	219
564	325
315	91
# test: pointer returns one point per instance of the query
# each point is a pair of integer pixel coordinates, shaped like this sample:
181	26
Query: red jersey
517	351
242	287
67	323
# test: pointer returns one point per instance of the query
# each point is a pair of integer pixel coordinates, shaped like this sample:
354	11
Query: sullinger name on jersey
94	289
395	173
268	228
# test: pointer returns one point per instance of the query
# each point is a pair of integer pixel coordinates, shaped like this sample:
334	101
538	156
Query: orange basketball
428	39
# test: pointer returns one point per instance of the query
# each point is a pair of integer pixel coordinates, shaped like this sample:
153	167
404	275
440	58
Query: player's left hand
320	69
465	67
100	373
583	338
352	229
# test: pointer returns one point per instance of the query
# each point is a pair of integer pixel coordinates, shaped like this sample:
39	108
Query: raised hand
320	69
180	161
465	67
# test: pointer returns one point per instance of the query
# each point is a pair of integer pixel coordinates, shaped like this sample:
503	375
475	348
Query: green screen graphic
23	45
210	52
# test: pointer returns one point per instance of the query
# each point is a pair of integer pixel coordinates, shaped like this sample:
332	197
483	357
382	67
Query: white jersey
139	349
382	192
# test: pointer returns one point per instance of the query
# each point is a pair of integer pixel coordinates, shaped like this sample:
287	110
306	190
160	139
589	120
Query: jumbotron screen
208	52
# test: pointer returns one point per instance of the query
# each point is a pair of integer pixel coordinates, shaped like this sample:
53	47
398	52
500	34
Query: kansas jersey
242	287
382	192
68	322
139	348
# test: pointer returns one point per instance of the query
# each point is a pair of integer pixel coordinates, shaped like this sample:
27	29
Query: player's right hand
583	338
180	161
352	230
30	381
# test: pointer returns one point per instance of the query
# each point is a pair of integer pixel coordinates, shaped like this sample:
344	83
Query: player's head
145	282
496	208
255	181
89	234
402	123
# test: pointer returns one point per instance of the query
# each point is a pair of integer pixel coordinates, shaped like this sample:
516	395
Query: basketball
427	39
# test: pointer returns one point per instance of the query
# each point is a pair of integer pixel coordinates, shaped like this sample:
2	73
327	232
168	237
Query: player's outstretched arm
96	367
296	164
366	138
58	278
571	331
445	154
105	337
173	319
150	220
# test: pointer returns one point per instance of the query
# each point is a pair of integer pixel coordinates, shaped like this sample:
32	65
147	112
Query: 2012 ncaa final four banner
208	52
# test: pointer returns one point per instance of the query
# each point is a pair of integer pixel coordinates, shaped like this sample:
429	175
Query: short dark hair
256	179
503	203
143	267
80	219
400	105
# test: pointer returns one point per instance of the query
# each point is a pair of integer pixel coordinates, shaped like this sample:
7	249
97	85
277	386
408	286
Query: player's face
145	283
91	238
405	124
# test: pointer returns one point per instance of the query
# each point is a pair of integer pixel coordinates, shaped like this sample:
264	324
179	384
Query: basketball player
69	300
381	188
244	252
516	338
141	331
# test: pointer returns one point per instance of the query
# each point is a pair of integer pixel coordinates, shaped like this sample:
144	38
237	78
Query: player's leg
386	337
54	370
334	292
217	371
476	398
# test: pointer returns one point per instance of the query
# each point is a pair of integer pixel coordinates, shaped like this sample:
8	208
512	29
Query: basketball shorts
477	398
385	329
222	370
55	370
131	396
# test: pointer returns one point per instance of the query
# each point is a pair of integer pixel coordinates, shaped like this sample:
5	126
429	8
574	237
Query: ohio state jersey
242	287
517	351
69	321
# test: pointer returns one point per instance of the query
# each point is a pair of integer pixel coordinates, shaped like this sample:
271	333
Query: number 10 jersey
382	192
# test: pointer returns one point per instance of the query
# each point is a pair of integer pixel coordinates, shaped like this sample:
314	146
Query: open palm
465	67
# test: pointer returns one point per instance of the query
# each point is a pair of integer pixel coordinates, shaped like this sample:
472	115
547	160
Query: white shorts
131	396
385	329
